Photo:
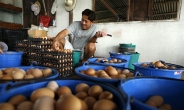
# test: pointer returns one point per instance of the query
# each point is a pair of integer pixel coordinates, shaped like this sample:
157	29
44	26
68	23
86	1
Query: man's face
85	22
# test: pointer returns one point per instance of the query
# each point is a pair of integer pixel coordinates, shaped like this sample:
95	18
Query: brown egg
125	71
1	73
95	91
129	74
151	103
47	72
8	70
82	71
68	102
30	71
41	92
119	71
167	106
63	90
84	106
114	77
7	106
105	104
44	103
112	72
101	73
18	74
7	77
82	87
26	105
114	60
37	73
158	100
90	101
108	67
17	99
81	95
106	95
90	71
144	64
28	76
158	64
120	76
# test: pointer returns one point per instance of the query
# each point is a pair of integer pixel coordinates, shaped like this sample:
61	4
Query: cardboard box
37	33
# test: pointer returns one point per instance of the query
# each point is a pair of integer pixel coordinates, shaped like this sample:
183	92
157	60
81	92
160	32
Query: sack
45	20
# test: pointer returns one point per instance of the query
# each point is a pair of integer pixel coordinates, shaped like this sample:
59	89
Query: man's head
88	17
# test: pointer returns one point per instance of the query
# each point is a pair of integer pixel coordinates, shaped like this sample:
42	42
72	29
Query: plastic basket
93	61
27	88
169	73
10	59
113	82
125	56
141	88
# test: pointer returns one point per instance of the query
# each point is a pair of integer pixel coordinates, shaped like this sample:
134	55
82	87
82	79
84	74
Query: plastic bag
45	20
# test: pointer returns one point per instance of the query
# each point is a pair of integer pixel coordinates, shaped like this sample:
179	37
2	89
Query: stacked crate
40	50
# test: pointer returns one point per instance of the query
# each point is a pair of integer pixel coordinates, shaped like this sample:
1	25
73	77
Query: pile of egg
158	65
53	97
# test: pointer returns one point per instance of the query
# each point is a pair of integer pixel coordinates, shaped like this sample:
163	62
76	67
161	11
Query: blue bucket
169	73
93	61
27	88
141	88
122	56
113	82
10	59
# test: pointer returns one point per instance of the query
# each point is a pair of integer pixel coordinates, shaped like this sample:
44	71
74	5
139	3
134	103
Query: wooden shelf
10	8
8	25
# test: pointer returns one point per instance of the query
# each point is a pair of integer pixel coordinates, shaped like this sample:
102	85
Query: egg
63	90
44	103
106	95
26	105
151	103
41	92
90	71
144	64
120	76
28	76
37	73
84	106
7	77
30	71
17	99
112	72
105	104
53	85
68	102
82	87
90	101
7	106
158	64
95	91
158	100
119	71
125	71
81	95
47	72
18	74
8	70
1	73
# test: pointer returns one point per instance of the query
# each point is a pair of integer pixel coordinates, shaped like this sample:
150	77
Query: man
84	33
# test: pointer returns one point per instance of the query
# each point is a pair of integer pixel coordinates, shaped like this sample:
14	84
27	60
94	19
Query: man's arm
97	35
61	34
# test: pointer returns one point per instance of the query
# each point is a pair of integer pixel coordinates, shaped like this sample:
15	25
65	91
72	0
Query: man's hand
99	34
55	44
1	51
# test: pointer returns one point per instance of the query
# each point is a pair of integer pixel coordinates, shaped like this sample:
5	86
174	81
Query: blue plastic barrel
141	88
28	88
122	56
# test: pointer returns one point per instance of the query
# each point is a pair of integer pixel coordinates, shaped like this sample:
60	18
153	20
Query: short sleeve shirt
80	36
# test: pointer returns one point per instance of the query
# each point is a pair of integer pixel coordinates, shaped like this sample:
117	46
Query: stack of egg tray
40	50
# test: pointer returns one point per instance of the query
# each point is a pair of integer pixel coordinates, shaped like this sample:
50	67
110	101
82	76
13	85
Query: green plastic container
127	47
134	58
76	57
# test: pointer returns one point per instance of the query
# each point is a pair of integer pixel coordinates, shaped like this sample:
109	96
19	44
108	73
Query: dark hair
91	14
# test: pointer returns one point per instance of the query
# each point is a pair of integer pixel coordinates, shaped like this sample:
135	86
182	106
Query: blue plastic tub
93	61
27	88
3	82
125	56
114	82
10	59
141	88
169	73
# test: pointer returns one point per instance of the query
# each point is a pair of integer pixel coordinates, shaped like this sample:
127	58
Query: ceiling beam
122	9
165	2
109	7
